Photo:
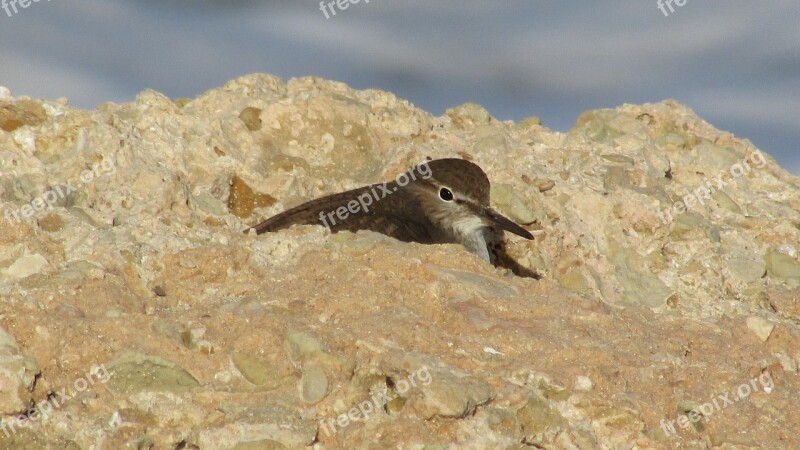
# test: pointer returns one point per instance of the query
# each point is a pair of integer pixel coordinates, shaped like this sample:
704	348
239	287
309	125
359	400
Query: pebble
134	372
510	203
314	382
781	266
760	326
258	372
25	266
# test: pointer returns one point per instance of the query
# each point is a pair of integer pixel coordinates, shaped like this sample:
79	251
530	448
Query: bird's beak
504	223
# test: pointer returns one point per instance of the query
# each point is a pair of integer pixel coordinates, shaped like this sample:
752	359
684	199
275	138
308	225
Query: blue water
736	63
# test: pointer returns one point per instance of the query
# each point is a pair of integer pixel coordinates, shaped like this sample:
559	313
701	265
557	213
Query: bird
442	201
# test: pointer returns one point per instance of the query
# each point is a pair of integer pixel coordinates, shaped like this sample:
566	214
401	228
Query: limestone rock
132	372
17	377
782	266
760	326
258	372
24	266
314	382
667	251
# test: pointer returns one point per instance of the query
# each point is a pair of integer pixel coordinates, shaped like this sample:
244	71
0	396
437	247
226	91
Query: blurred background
736	63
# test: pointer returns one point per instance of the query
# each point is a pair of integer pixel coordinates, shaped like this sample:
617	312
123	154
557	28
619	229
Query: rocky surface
134	313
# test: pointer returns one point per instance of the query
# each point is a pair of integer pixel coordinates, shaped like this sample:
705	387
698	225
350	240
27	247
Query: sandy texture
134	313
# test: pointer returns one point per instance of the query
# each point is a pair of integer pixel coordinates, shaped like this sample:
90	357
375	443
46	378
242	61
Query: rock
640	287
251	119
646	289
781	266
18	375
726	202
450	396
52	223
210	204
468	116
787	363
785	302
573	275
302	345
314	383
271	426
24	266
747	269
583	383
242	199
257	372
264	444
8	345
503	421
511	204
134	372
715	156
760	326
653	274
68	311
20	113
540	421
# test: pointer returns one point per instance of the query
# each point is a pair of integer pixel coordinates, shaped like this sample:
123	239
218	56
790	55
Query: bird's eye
445	194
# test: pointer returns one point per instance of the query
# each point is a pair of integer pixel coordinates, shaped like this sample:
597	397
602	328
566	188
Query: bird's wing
376	207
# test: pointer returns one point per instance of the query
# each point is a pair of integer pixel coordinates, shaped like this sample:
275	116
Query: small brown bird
437	202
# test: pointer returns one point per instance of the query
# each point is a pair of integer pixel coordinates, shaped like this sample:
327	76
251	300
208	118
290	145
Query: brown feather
383	215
